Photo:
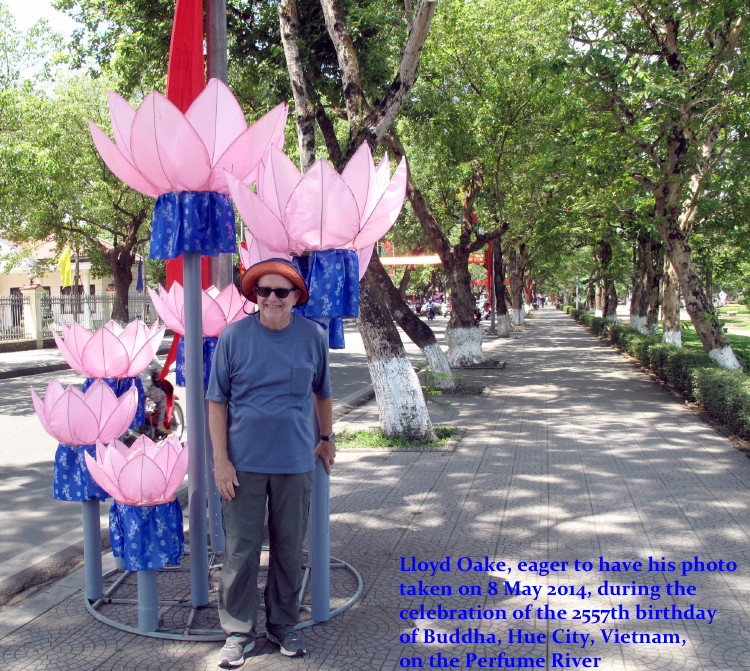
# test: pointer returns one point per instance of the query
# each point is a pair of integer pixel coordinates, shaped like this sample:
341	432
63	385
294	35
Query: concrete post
33	313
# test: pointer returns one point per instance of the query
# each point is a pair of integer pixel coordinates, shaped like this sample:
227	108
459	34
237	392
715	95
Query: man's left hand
326	451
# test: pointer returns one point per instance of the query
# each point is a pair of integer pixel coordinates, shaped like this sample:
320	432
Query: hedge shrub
725	394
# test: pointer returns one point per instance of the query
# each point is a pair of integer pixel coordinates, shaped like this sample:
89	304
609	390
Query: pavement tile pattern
570	454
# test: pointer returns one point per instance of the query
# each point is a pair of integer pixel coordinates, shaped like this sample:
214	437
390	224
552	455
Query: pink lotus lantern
294	213
74	417
182	159
144	474
336	218
111	352
145	517
219	308
77	420
159	149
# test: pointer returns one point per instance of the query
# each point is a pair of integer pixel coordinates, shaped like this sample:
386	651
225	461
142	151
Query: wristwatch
331	437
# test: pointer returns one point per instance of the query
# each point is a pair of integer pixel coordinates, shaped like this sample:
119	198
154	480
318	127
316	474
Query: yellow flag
66	269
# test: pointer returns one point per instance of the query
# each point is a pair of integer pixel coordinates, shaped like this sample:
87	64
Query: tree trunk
515	277
608	291
304	110
121	266
639	283
401	403
670	324
502	317
438	374
697	304
655	272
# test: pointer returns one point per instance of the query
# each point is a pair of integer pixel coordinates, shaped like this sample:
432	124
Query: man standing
270	372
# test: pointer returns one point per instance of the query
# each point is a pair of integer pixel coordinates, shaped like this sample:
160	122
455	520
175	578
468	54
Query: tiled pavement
570	455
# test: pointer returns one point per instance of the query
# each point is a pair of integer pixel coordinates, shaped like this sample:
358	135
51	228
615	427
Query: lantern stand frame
188	633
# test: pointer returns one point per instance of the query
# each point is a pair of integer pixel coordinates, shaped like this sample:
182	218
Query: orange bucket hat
273	267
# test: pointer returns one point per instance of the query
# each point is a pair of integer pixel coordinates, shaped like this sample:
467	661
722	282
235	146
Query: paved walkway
582	503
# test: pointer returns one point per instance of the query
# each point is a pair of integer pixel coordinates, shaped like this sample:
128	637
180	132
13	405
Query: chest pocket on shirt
301	380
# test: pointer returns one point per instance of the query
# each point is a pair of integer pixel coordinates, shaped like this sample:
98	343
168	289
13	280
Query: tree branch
304	110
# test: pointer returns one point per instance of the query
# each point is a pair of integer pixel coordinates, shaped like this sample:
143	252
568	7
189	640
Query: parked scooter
158	391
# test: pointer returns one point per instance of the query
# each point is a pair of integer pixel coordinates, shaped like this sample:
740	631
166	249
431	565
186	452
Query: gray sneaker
234	650
292	645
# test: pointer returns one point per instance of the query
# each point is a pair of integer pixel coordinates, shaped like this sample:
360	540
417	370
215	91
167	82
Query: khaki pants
288	498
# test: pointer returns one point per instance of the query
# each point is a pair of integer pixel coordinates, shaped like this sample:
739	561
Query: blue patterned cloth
71	480
192	221
120	385
147	537
209	347
332	277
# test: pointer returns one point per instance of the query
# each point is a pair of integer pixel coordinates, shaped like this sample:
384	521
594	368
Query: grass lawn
740	343
736	317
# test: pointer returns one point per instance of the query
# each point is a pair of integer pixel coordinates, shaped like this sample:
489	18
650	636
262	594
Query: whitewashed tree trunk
502	325
399	397
516	316
439	374
672	338
403	409
725	357
640	323
464	346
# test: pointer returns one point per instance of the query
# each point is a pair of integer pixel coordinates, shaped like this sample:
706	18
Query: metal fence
91	312
12	325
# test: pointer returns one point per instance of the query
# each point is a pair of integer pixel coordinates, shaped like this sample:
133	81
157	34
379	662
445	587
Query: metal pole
320	557
216	57
148	602
196	427
215	523
319	539
92	550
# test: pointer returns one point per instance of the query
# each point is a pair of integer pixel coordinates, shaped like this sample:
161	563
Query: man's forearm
324	412
217	427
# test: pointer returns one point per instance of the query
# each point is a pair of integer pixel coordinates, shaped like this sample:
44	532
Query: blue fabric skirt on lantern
71	480
147	537
332	278
192	221
209	347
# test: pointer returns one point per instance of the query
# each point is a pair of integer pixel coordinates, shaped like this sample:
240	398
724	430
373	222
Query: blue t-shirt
267	378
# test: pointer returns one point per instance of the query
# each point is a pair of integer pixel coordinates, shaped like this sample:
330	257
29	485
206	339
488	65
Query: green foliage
725	394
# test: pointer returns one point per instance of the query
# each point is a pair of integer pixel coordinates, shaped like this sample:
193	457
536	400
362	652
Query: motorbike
174	420
430	314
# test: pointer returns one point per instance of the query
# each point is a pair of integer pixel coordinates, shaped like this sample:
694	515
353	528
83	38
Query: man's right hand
226	478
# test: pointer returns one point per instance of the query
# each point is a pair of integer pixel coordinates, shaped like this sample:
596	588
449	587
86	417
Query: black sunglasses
265	292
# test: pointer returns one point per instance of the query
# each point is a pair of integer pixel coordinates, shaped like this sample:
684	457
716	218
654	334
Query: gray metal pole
215	523
148	602
319	539
196	428
92	550
320	556
216	52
